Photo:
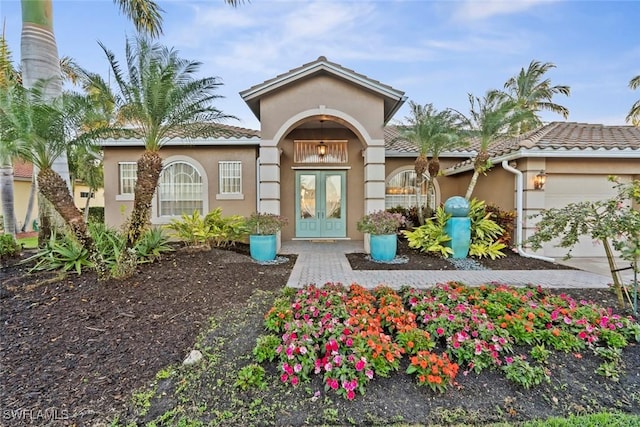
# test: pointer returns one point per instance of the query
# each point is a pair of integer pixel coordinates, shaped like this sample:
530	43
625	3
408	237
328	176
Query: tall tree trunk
54	189
6	195
148	174
617	286
472	184
32	198
86	206
40	61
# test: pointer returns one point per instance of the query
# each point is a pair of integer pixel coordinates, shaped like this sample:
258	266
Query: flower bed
349	335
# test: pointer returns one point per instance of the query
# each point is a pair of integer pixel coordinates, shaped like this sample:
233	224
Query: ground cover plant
118	358
350	335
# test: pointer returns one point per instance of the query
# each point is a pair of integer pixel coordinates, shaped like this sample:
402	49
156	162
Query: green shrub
506	220
225	231
431	236
265	348
485	233
212	229
251	376
96	214
525	374
152	244
9	247
61	253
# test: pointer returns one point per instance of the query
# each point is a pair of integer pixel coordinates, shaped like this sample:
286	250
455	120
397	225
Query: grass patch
29	242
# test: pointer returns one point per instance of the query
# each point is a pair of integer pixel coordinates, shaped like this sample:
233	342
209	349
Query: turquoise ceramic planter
383	246
263	247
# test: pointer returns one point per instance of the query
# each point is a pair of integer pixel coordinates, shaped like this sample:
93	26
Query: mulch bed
424	261
78	348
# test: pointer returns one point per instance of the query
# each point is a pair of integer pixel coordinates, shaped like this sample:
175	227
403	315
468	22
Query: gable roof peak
393	98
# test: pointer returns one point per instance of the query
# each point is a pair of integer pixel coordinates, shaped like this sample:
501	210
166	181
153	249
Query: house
326	154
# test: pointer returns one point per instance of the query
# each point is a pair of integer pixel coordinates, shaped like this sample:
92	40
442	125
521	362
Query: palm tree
634	113
490	119
432	132
159	94
8	150
528	91
36	126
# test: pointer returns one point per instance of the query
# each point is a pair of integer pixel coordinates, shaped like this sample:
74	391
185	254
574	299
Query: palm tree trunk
420	212
148	174
472	184
55	190
32	198
40	60
6	194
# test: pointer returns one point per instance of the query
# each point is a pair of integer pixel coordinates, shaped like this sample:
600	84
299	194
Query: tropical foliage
211	230
530	91
490	119
486	235
611	221
348	336
634	113
159	93
432	132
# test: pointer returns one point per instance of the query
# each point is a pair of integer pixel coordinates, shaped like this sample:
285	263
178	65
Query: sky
435	51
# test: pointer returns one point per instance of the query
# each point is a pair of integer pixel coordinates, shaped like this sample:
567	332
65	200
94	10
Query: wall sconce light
539	180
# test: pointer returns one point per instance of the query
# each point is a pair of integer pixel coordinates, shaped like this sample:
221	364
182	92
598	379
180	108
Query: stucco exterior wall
21	192
96	201
118	208
333	93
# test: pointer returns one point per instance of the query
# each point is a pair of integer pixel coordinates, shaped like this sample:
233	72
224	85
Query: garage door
560	190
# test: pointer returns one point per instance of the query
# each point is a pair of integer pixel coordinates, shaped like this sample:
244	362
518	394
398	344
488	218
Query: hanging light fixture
539	180
322	148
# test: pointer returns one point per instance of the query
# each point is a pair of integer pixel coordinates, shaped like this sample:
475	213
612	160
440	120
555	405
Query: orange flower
531	316
414	360
423	364
410	344
389	356
421	378
555	332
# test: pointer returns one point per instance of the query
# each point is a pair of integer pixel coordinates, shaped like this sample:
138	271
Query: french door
321	204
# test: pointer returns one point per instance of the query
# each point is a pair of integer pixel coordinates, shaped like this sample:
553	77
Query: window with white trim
400	190
180	190
230	177
128	172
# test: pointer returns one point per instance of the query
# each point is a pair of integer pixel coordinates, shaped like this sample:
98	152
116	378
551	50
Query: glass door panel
321	204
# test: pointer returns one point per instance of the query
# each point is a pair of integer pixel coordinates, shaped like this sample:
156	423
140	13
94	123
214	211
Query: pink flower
297	368
360	365
303	350
369	373
294	381
349	342
351	395
284	378
439	331
287	368
334	384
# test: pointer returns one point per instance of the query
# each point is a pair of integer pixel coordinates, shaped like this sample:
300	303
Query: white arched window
400	190
180	190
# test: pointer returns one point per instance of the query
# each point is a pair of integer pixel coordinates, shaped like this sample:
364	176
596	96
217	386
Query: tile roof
22	170
551	137
214	131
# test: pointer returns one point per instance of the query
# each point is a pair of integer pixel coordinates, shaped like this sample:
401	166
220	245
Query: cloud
476	10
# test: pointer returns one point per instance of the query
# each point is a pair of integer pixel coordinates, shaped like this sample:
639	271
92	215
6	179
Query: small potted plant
263	229
382	227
